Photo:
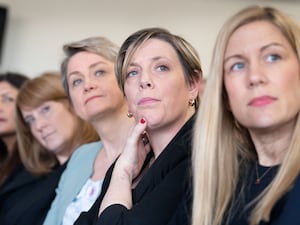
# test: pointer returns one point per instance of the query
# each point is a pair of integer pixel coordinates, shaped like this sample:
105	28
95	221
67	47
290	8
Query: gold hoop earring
192	102
129	115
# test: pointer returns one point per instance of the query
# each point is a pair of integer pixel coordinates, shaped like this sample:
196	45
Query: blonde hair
222	148
33	93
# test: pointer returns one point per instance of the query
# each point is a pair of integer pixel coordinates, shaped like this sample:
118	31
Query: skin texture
154	77
262	80
93	86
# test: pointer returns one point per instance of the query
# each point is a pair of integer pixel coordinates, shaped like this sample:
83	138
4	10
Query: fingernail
142	121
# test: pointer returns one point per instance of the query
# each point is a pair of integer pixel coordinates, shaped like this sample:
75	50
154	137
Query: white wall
37	29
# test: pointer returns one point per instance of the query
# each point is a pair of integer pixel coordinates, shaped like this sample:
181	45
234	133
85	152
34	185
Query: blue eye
163	68
273	57
7	99
99	73
237	66
76	82
132	73
45	109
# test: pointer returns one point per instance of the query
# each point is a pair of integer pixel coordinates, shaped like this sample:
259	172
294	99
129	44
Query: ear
196	88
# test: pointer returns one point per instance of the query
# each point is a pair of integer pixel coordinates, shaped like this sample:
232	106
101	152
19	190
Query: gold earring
129	115
191	102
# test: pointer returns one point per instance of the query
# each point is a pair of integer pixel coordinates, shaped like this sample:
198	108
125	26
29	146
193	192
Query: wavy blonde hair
221	148
46	87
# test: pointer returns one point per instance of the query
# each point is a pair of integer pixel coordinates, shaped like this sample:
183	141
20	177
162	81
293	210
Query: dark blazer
158	195
25	199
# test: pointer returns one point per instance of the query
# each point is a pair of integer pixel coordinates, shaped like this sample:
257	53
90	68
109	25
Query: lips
262	101
91	98
147	100
47	135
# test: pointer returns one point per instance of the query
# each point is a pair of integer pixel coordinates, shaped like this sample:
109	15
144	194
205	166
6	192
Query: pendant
257	181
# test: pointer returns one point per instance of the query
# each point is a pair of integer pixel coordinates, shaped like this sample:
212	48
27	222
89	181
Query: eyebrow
152	59
90	67
6	93
261	50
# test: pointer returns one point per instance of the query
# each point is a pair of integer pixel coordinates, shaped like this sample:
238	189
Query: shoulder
86	151
288	206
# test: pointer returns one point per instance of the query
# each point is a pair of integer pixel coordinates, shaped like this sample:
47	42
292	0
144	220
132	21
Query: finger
137	132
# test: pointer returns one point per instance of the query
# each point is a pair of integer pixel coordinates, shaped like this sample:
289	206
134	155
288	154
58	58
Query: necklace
259	178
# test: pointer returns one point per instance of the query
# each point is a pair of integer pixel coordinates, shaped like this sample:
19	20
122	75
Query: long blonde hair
222	148
46	87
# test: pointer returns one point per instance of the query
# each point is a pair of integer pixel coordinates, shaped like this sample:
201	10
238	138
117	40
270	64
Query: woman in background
246	166
48	132
10	83
90	81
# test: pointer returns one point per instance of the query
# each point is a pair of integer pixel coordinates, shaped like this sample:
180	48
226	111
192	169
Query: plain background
37	29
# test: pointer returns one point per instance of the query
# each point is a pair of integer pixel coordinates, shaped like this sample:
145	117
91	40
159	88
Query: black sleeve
156	207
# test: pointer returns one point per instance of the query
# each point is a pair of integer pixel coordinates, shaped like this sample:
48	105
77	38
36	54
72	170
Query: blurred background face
8	95
93	86
52	124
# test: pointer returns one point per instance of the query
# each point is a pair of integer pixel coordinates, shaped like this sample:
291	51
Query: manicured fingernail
142	121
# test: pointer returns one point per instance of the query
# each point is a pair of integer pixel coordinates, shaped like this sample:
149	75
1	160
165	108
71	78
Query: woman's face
8	95
262	77
53	125
156	88
93	86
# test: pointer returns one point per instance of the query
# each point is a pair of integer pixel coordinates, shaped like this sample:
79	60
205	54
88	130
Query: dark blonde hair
222	147
186	53
35	92
97	45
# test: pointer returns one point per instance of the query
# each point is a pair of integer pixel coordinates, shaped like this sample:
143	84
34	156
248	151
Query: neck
271	146
113	131
64	155
160	138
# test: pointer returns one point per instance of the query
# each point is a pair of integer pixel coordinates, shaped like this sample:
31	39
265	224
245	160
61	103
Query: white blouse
83	201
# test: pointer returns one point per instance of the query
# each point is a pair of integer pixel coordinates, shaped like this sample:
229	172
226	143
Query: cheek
130	96
35	135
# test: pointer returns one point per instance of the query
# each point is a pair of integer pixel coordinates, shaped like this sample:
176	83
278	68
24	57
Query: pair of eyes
7	99
43	111
77	81
135	71
241	65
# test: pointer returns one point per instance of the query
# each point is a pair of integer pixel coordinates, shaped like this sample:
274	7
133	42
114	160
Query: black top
25	199
286	210
160	193
3	153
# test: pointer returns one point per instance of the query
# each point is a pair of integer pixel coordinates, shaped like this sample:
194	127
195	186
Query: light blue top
79	170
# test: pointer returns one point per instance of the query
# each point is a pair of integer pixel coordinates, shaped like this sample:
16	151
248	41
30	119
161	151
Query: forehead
255	34
83	59
154	47
6	87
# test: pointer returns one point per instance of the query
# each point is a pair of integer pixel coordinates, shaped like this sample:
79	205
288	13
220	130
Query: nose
146	81
40	124
89	85
257	75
